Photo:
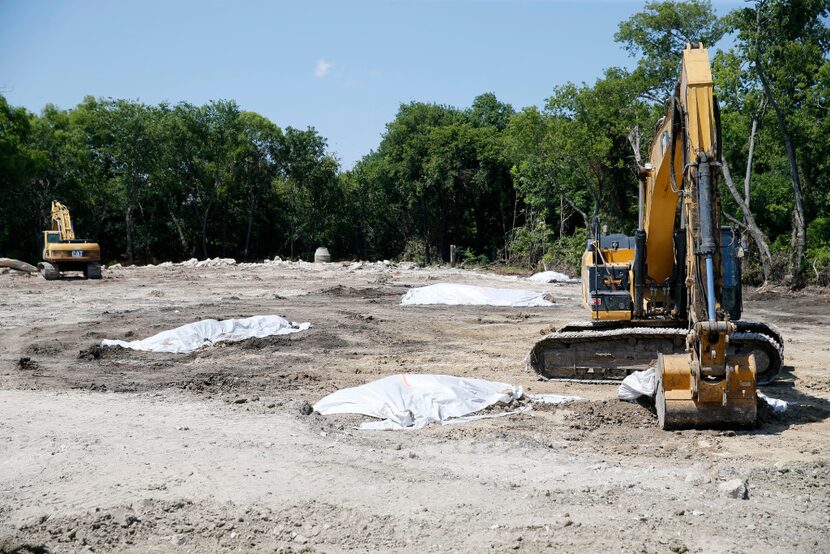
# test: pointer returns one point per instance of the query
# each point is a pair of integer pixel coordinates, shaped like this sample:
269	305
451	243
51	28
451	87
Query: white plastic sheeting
553	398
410	401
209	262
468	295
778	406
193	336
551	277
639	383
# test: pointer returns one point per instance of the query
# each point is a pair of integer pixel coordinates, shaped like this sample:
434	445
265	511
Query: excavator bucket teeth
716	403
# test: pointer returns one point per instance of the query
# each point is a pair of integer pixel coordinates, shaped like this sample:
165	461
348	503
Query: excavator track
609	351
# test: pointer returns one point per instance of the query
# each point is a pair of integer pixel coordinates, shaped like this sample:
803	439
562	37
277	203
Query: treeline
167	182
514	186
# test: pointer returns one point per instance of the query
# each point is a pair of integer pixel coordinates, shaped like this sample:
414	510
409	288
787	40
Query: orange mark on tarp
405	382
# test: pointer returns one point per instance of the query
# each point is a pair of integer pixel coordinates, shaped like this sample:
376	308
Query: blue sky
342	67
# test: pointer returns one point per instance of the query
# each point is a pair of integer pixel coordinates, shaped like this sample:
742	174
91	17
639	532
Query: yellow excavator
62	252
670	296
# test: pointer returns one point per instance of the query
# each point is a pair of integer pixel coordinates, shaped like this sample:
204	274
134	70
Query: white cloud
322	69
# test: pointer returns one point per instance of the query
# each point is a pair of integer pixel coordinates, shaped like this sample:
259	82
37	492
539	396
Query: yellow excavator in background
63	252
670	296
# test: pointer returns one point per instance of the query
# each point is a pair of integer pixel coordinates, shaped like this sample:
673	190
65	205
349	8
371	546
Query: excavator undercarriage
605	351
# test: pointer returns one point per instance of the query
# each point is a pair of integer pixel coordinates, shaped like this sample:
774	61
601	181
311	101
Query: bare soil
106	449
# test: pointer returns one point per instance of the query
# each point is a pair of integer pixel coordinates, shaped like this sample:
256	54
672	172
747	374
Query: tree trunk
751	226
182	238
248	231
585	217
564	197
205	215
129	222
799	239
748	174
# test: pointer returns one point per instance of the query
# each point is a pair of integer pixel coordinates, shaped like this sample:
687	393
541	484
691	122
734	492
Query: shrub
527	246
818	263
414	251
565	254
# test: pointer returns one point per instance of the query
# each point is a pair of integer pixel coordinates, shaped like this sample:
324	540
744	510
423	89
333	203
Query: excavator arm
62	221
706	385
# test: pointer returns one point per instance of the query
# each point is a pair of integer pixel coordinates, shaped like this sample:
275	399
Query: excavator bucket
725	402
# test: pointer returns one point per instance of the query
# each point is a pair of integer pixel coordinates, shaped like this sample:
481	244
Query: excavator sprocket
609	351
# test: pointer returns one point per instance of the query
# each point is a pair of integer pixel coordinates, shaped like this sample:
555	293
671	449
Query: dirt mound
314	338
593	415
258	343
210	382
13	545
45	348
207	527
368	292
27	364
94	352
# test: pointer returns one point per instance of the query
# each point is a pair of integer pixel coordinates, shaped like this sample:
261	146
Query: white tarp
553	398
644	383
193	336
639	383
209	262
458	295
778	406
414	400
551	277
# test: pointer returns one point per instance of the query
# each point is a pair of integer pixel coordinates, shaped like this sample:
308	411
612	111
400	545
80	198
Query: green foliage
440	176
565	254
468	258
528	244
658	33
414	251
785	46
818	260
818	232
168	182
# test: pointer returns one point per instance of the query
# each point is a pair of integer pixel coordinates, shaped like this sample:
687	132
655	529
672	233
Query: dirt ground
116	450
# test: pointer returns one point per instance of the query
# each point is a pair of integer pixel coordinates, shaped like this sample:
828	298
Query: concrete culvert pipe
322	255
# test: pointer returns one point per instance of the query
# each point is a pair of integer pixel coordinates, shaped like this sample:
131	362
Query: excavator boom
61	221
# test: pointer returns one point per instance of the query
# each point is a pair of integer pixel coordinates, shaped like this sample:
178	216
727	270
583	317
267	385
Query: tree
658	34
259	158
488	111
16	169
786	43
309	189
